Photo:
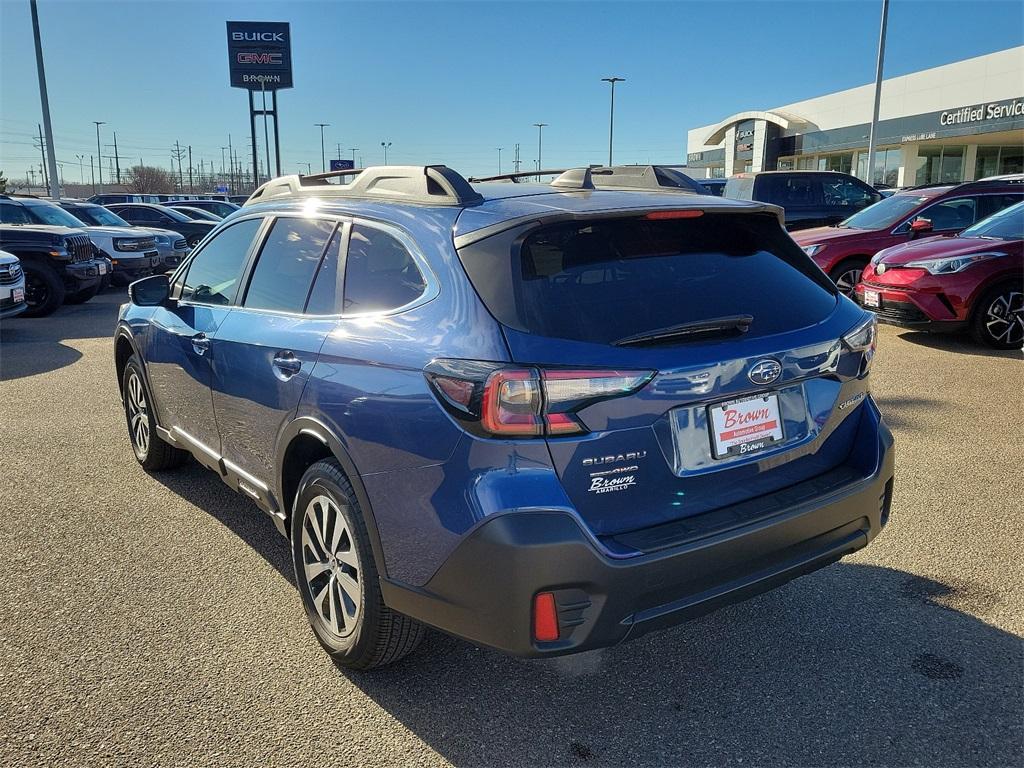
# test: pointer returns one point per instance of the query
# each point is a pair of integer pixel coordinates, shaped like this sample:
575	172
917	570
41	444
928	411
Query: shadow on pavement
32	345
854	664
960	343
900	412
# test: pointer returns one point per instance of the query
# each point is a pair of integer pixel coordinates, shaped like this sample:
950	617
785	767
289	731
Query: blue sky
451	82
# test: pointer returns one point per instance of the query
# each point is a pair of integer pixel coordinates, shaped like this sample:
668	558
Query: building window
786	163
843	163
806	163
887	166
718	172
940	165
993	161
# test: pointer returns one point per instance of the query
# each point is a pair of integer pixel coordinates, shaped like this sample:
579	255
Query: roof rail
620	177
514	177
419	184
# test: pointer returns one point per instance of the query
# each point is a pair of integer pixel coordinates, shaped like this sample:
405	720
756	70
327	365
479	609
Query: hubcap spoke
331	566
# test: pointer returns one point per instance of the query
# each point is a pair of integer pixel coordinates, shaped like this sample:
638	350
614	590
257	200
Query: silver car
12	286
171	247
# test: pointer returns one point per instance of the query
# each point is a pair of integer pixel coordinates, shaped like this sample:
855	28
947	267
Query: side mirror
150	291
920	226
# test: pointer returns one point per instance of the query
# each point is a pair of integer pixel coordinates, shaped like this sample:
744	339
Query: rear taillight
507	401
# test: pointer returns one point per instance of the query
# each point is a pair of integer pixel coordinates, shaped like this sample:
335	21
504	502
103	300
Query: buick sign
764	371
260	55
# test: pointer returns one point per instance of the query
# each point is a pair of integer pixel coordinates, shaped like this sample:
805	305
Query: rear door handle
200	343
287	364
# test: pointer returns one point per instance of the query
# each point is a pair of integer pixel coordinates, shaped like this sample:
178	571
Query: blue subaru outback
543	418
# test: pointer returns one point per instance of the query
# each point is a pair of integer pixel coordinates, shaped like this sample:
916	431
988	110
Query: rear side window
214	273
325	298
739	188
287	263
606	280
380	274
789	191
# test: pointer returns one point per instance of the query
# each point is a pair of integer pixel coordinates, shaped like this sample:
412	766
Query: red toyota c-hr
973	280
844	250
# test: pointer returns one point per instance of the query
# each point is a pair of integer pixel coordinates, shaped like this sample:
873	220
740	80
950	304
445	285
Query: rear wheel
998	320
44	290
847	274
82	296
337	576
151	451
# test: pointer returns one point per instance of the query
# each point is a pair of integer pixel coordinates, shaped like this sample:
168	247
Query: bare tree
144	179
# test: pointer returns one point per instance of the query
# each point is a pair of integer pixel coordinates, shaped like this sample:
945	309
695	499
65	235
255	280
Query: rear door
742	409
267	346
800	195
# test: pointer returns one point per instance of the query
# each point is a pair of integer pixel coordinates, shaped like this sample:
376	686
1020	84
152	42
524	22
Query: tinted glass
325	298
53	215
846	193
213	274
380	274
98	216
950	214
989	204
1008	224
603	281
136	214
885	212
13	214
788	191
287	263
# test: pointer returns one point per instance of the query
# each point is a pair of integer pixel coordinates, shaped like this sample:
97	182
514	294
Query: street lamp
869	175
81	168
385	145
99	154
540	132
611	117
323	158
499	160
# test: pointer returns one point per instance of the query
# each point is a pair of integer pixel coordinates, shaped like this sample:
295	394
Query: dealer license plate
742	427
872	298
19	295
102	268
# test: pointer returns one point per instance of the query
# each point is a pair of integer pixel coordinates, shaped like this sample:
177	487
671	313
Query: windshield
885	212
176	215
99	216
1008	224
53	215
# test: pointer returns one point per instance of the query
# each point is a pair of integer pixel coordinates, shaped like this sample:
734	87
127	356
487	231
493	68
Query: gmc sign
259	55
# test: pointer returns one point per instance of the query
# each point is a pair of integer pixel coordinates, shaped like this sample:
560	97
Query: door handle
287	364
200	343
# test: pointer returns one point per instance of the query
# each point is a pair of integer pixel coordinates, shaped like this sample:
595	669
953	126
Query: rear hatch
704	349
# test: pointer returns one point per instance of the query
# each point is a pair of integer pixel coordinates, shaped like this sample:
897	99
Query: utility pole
339	151
222	160
178	153
323	157
92	175
611	116
354	150
516	162
42	148
45	102
499	160
117	159
231	165
99	152
869	174
191	188
540	135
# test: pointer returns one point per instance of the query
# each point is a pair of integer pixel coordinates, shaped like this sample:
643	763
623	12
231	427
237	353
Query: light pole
309	168
611	117
869	174
323	157
385	145
540	134
81	168
354	150
44	101
99	154
499	160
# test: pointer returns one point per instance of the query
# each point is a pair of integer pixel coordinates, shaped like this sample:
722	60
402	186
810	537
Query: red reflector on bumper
545	617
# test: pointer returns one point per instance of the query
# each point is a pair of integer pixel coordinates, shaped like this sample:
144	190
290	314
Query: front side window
214	273
846	193
1007	224
380	274
53	215
957	213
287	263
13	214
885	212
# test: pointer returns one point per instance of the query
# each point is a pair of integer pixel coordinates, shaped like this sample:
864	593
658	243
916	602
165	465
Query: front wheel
337	577
151	450
44	290
847	274
998	320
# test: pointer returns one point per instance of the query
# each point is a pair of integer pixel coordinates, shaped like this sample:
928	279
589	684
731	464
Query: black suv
809	198
149	215
59	262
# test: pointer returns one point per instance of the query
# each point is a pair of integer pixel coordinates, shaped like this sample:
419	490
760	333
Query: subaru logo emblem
764	371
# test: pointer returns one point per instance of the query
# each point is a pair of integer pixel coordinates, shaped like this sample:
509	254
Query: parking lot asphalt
152	620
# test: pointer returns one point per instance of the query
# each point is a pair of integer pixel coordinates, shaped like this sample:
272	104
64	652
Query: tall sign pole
869	174
260	58
51	160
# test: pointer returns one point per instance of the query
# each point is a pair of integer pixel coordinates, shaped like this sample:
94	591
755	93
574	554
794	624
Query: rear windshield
602	281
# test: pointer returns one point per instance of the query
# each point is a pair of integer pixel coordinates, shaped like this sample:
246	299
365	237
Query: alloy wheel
138	415
331	566
848	280
1004	318
36	291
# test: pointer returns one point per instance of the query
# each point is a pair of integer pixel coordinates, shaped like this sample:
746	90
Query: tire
193	240
44	290
847	274
337	566
998	317
151	450
82	296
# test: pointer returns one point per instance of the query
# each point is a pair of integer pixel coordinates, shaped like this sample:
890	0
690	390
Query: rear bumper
485	589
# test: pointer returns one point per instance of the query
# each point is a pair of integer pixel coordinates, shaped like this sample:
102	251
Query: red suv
844	250
974	280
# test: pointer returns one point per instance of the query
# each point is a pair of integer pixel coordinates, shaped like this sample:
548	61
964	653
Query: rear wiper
737	323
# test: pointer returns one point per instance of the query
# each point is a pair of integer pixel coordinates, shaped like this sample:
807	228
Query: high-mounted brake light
662	215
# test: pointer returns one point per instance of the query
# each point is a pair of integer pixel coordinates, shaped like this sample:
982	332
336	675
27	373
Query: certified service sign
260	55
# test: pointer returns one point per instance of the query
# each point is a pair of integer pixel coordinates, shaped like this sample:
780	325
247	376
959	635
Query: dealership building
953	123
